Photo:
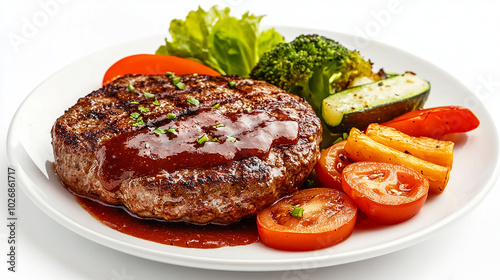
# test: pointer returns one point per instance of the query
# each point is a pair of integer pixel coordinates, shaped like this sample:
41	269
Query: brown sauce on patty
206	139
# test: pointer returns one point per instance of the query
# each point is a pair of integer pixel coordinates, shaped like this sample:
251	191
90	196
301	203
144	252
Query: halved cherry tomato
330	165
328	218
149	64
386	193
435	122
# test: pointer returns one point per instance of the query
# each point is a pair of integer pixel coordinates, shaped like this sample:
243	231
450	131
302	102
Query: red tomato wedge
435	122
330	165
328	218
149	64
386	193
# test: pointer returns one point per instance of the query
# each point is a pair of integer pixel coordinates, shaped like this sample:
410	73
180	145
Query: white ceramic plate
29	150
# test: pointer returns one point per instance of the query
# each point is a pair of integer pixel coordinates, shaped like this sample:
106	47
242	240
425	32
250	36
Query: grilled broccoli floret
312	67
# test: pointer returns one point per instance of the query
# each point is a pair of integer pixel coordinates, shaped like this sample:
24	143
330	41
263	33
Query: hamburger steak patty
214	151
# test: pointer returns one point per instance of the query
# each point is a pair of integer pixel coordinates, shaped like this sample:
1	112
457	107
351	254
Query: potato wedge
360	147
436	151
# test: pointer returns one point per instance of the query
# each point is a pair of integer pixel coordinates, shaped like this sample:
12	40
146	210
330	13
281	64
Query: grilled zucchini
375	102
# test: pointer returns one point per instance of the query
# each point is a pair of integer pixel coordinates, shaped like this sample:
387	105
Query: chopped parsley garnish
216	106
138	121
231	138
219	125
172	130
215	139
248	109
171	116
135	115
156	102
131	88
143	109
193	101
149	95
170	74
232	84
160	131
202	139
176	80
134	102
180	85
297	211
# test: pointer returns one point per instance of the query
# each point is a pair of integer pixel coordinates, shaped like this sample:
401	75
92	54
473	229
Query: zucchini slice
375	102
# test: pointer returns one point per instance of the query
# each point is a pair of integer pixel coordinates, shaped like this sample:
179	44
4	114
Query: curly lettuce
224	43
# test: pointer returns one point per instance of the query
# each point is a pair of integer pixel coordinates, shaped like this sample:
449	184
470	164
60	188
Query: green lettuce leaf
227	44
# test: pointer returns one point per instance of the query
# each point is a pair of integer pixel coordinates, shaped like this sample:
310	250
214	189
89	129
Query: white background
38	38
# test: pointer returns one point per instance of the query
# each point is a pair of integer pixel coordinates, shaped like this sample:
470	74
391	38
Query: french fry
360	147
436	151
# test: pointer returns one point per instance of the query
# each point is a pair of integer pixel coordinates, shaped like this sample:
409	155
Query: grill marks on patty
220	194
